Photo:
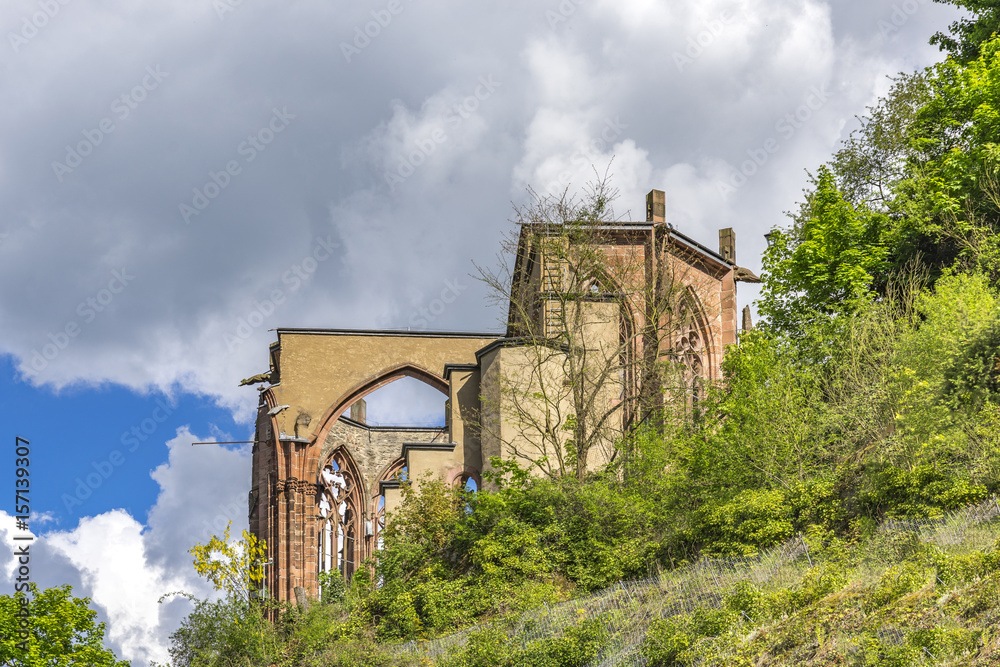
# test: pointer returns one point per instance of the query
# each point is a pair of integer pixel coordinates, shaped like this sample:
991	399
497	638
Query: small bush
333	587
896	582
881	654
818	582
750	521
956	569
711	622
945	642
747	601
667	642
578	645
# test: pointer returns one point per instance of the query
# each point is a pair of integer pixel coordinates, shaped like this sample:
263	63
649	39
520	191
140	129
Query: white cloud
125	566
110	553
172	328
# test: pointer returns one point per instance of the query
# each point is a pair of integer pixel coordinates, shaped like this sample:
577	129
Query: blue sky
93	448
178	179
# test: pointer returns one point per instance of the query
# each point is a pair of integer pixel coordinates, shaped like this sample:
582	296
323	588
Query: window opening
406	401
338	509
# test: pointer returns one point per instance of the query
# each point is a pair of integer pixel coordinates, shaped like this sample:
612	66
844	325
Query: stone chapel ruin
324	480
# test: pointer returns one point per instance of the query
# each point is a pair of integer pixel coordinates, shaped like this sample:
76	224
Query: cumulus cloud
125	565
395	161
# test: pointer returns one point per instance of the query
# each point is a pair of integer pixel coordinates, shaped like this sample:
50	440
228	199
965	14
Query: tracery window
380	523
692	349
687	355
338	507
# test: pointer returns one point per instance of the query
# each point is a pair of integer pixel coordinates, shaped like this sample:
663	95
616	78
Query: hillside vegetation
916	593
870	394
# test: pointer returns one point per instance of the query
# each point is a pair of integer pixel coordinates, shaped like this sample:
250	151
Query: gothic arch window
693	346
688	353
340	511
468	483
380	523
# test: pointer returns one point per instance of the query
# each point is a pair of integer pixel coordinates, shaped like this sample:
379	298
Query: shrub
751	520
896	582
944	642
881	654
333	587
819	581
747	601
667	642
578	645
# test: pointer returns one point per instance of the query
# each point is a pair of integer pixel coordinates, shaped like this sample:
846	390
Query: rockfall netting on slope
625	610
959	527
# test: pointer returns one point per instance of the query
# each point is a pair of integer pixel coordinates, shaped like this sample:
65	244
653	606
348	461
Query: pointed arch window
692	347
339	508
688	353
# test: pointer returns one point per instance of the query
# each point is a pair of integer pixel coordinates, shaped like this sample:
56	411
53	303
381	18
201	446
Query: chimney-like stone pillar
359	411
656	206
727	244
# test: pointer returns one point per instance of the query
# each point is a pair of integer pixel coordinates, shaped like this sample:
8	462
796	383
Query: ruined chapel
644	296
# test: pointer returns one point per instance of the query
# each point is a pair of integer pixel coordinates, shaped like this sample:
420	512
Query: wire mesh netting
624	611
954	528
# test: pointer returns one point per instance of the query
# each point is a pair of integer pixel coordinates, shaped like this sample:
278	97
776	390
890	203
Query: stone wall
374	448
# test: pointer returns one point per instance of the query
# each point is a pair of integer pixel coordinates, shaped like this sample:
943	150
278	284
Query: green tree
825	264
60	631
947	208
234	630
223	633
925	157
874	157
236	568
968	34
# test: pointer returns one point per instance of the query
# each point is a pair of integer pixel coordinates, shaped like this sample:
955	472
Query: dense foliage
58	630
890	602
968	34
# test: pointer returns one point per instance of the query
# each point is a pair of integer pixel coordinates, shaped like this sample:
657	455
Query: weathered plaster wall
320	372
